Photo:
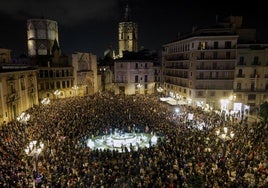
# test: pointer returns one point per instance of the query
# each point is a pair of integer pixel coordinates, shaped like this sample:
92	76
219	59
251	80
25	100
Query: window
52	85
251	97
201	75
63	84
212	93
58	85
136	79
137	66
51	74
199	93
213	74
241	60
256	60
215	55
240	73
46	74
252	87
216	45
228	44
145	78
202	56
228	55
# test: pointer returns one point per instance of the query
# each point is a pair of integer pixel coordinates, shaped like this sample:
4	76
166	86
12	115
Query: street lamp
57	93
160	90
75	87
33	150
45	101
139	86
23	117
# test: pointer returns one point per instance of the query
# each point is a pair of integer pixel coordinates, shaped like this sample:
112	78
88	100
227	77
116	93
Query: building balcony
251	90
209	58
214	68
214	78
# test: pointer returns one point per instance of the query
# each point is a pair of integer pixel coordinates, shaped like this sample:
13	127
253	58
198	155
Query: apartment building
134	74
251	76
199	67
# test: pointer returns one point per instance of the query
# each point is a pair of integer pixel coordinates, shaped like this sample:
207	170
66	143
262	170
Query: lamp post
139	86
75	88
33	150
24	117
45	101
57	93
160	90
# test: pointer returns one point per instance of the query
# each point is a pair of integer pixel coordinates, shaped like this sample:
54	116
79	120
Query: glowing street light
75	87
139	86
34	149
57	93
23	117
45	101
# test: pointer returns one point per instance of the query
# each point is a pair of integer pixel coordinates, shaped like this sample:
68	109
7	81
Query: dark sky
92	25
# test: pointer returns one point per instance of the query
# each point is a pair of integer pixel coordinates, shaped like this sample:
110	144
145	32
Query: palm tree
263	113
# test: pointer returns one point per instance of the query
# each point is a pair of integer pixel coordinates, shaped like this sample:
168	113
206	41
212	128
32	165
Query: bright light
139	85
160	89
45	101
23	117
154	139
34	148
223	136
90	144
74	87
225	129
57	92
117	139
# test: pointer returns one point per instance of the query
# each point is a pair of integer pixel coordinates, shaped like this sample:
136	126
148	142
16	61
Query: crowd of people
186	156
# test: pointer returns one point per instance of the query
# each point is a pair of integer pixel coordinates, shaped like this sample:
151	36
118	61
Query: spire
127	11
55	47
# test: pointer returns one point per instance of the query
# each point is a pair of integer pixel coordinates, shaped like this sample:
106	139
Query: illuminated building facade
134	76
199	67
127	34
251	76
41	35
18	89
85	73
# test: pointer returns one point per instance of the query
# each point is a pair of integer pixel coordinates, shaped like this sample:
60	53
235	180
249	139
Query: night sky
92	25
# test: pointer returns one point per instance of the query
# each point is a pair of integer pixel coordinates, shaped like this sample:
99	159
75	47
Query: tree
263	113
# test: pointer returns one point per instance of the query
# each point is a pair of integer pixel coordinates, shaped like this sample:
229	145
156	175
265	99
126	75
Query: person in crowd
190	154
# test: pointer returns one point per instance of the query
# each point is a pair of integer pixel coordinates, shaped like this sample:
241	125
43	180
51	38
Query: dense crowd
187	156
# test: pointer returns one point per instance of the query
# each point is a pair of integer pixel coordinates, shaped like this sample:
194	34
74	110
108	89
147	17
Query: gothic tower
127	33
41	35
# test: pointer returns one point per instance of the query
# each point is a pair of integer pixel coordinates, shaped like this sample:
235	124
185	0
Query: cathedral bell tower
127	33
